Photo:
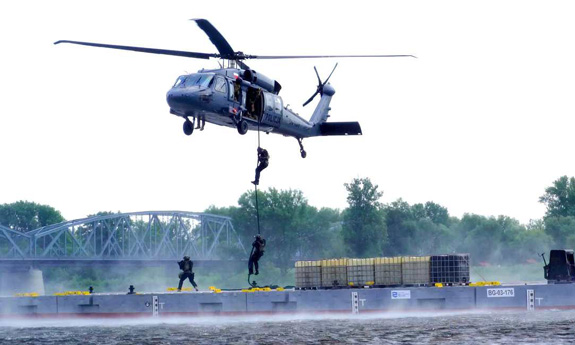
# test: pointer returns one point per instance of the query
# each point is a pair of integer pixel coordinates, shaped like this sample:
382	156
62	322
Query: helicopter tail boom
321	112
340	128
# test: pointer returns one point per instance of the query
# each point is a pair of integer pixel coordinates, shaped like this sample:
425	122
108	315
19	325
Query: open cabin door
254	104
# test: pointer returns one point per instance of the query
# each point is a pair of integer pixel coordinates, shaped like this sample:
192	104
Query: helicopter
237	96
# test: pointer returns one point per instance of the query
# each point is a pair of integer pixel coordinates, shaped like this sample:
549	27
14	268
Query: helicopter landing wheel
242	127
237	117
301	150
188	127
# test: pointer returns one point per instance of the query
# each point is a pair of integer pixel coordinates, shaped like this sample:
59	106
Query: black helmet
258	237
186	258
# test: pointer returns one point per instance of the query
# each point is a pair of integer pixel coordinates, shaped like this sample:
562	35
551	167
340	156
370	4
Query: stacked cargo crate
415	270
334	273
452	269
308	274
387	271
360	272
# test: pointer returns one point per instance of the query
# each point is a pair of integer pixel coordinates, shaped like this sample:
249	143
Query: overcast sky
482	122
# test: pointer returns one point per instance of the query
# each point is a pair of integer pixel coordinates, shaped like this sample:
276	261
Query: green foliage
530	243
364	229
25	216
562	230
421	229
560	216
400	227
487	239
560	198
436	213
367	228
292	228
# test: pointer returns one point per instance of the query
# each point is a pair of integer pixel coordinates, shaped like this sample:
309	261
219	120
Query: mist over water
549	327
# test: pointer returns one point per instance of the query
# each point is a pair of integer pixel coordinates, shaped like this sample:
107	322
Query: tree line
296	230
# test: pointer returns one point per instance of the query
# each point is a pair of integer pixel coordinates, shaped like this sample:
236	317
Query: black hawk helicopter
240	97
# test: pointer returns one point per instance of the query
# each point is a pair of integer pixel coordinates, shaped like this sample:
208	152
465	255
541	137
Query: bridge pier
15	280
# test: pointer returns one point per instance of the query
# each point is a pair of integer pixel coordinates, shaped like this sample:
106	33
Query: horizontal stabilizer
340	128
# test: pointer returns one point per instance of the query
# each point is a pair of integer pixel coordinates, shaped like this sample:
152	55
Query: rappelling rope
257	209
249	275
257	203
255	185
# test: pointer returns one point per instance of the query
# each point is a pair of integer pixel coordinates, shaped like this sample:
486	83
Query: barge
327	296
354	301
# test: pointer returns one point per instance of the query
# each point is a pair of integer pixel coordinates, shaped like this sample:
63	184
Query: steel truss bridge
126	237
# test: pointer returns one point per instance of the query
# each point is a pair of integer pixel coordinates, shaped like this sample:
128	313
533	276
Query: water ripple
550	327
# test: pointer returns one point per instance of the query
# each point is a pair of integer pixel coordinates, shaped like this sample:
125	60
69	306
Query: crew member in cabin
238	90
257	252
186	266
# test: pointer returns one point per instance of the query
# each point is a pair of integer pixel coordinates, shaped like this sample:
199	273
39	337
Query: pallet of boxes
435	270
334	273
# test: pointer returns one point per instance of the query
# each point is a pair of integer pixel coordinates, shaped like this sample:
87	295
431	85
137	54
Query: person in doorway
258	105
238	90
257	252
263	162
186	266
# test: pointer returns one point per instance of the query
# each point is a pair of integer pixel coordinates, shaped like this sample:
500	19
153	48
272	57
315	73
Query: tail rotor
320	85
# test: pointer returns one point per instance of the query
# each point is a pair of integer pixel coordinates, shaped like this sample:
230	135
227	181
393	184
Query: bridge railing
138	235
14	244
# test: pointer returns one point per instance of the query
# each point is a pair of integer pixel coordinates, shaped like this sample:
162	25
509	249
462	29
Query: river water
544	327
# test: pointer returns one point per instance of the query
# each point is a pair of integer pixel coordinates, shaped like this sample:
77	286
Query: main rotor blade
217	38
320	56
243	65
146	50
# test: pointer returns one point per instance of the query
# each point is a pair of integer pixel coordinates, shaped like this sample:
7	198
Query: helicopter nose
176	99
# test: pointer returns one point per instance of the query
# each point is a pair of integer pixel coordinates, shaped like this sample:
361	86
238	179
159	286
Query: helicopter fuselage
213	95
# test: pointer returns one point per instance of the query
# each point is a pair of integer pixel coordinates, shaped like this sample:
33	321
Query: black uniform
238	90
257	252
186	266
263	161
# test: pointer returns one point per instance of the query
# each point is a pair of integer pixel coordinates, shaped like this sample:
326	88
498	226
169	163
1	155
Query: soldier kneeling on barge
186	266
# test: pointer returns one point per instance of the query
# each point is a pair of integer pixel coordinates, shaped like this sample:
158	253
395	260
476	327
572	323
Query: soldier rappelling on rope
258	247
263	162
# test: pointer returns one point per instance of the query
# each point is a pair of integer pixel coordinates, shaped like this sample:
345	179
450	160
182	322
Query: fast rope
254	284
255	185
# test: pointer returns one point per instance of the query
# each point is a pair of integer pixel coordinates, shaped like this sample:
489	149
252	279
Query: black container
561	267
450	269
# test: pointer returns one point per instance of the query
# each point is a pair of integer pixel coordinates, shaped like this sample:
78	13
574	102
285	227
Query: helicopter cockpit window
201	80
220	85
277	105
269	101
180	81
